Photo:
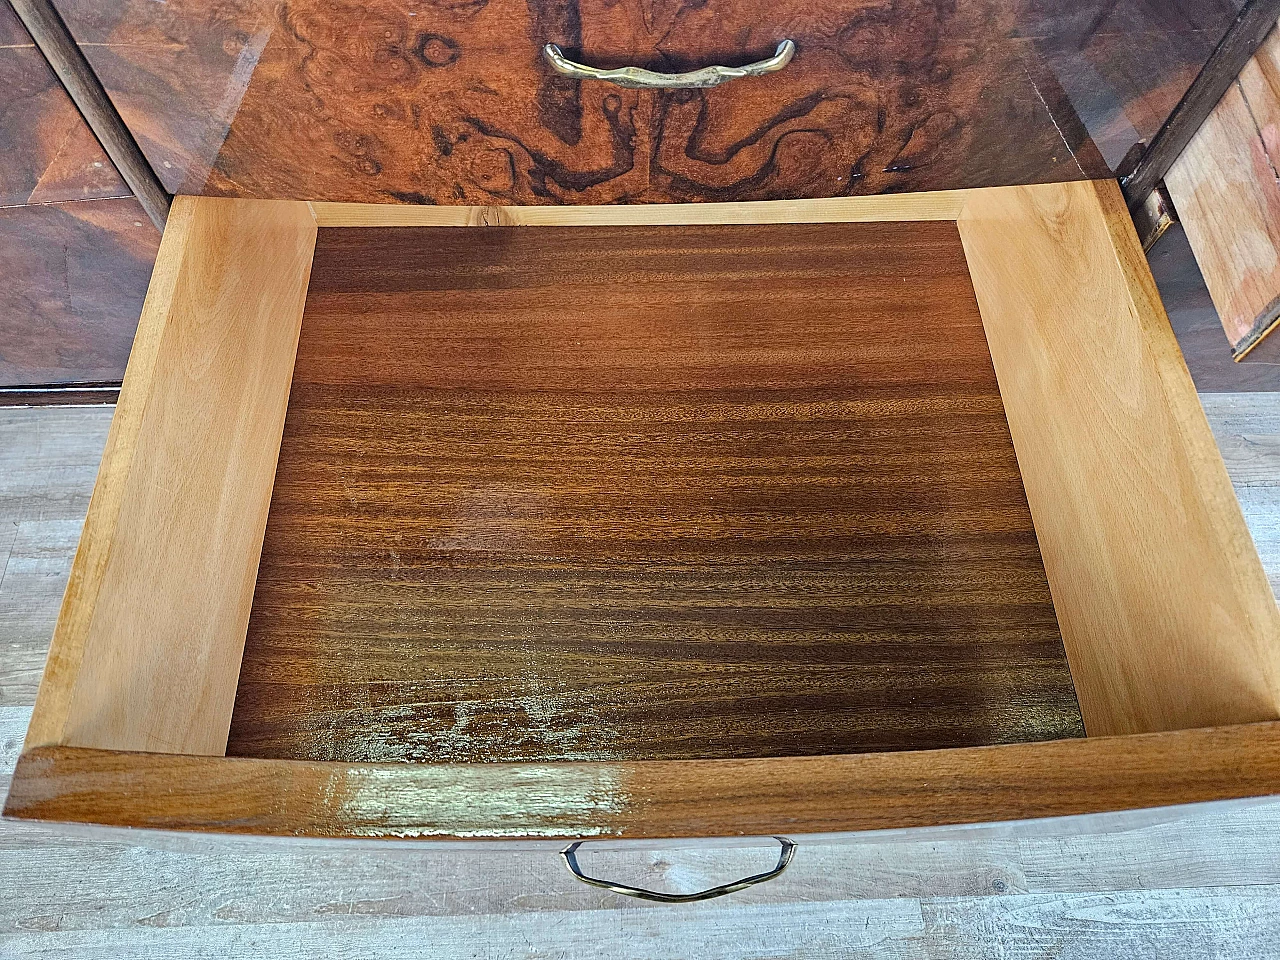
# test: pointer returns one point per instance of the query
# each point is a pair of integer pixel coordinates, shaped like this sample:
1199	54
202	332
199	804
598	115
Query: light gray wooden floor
1201	885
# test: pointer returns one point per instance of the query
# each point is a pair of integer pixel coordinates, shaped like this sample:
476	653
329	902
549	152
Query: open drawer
655	521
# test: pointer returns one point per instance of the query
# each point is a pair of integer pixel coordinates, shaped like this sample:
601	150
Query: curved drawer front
453	102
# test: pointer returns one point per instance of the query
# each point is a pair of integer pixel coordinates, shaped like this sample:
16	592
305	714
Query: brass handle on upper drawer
784	857
694	79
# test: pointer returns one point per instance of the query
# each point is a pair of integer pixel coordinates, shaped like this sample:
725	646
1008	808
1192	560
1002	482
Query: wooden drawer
671	521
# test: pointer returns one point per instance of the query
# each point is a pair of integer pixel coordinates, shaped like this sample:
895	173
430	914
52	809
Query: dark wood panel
1256	19
450	103
603	493
50	154
1126	62
61	395
75	275
1124	85
12	33
714	798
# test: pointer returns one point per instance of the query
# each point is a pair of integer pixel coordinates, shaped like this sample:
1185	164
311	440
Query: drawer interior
709	520
589	493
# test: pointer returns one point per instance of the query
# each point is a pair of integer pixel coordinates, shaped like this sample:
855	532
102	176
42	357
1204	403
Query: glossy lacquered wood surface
50	154
452	102
634	492
709	798
75	247
74	278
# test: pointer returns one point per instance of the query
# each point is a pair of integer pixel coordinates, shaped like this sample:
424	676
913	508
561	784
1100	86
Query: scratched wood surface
743	510
451	103
1197	886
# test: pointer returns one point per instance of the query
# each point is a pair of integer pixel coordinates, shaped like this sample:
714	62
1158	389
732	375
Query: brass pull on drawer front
638	77
570	854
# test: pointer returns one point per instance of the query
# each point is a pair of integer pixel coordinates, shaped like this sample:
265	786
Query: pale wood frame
146	651
1167	616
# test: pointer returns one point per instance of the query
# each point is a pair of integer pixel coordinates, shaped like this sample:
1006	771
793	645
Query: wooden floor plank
1261	507
1247	428
1241	923
48	461
30	594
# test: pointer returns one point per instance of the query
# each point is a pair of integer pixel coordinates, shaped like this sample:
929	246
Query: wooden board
75	247
635	492
1165	610
84	88
1248	30
48	459
147	646
1196	325
718	798
1206	875
1225	188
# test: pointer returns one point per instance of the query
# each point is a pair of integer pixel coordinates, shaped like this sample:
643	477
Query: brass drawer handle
784	857
695	79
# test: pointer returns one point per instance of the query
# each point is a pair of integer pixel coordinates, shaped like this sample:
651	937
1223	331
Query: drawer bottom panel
626	493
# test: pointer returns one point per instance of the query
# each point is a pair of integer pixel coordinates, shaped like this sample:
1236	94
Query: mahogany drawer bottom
604	493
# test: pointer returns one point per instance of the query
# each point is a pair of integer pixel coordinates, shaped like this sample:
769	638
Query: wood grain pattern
74	279
74	274
656	798
451	103
1227	194
106	885
1124	66
1194	924
1260	84
147	646
1164	607
1190	882
1246	427
941	205
48	459
740	510
50	154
